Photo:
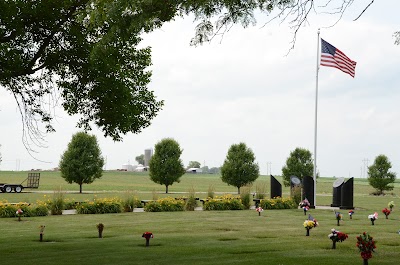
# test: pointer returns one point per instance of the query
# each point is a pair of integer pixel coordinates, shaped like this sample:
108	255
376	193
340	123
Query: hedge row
116	205
100	206
10	210
278	203
226	202
165	205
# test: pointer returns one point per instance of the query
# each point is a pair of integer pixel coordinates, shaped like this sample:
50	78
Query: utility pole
17	164
269	168
365	161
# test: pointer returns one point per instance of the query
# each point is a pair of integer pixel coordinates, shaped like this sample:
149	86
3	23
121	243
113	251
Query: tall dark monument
276	188
308	190
337	193
347	194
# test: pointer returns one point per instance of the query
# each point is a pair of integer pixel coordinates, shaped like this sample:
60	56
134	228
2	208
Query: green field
199	237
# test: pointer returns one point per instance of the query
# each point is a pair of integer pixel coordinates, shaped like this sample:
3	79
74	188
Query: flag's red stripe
339	61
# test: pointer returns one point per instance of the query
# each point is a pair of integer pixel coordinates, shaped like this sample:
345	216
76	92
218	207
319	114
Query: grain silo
148	153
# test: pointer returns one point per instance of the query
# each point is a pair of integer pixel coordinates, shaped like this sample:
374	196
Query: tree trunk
238	190
166	188
80	188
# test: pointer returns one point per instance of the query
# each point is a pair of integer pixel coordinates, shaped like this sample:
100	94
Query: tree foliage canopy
299	164
166	167
85	52
239	168
82	162
194	164
140	159
379	176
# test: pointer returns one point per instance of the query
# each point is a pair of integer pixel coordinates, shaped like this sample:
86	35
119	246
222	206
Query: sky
245	87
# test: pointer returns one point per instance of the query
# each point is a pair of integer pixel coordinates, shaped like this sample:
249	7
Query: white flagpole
315	127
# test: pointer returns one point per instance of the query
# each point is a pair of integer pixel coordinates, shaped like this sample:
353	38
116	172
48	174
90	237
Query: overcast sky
245	89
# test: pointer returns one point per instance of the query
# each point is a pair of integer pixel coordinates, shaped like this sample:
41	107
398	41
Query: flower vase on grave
308	232
19	213
100	228
147	236
333	244
41	232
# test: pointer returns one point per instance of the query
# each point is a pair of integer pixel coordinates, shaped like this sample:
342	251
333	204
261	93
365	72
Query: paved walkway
141	210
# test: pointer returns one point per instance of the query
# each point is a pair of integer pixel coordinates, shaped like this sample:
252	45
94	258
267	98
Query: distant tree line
82	163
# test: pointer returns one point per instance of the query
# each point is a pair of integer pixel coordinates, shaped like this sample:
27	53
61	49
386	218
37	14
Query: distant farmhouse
194	170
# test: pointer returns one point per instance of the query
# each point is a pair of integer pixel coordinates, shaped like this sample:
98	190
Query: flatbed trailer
32	182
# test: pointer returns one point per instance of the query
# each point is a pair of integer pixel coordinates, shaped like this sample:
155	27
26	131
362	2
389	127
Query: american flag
333	57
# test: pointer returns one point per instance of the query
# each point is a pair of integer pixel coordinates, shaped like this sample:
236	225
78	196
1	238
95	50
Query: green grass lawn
200	237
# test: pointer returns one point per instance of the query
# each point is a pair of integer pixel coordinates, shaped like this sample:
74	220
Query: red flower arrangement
366	245
351	212
337	236
19	213
386	212
148	235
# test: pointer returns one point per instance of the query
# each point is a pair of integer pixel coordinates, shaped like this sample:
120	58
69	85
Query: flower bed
221	203
165	205
278	203
100	206
10	210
